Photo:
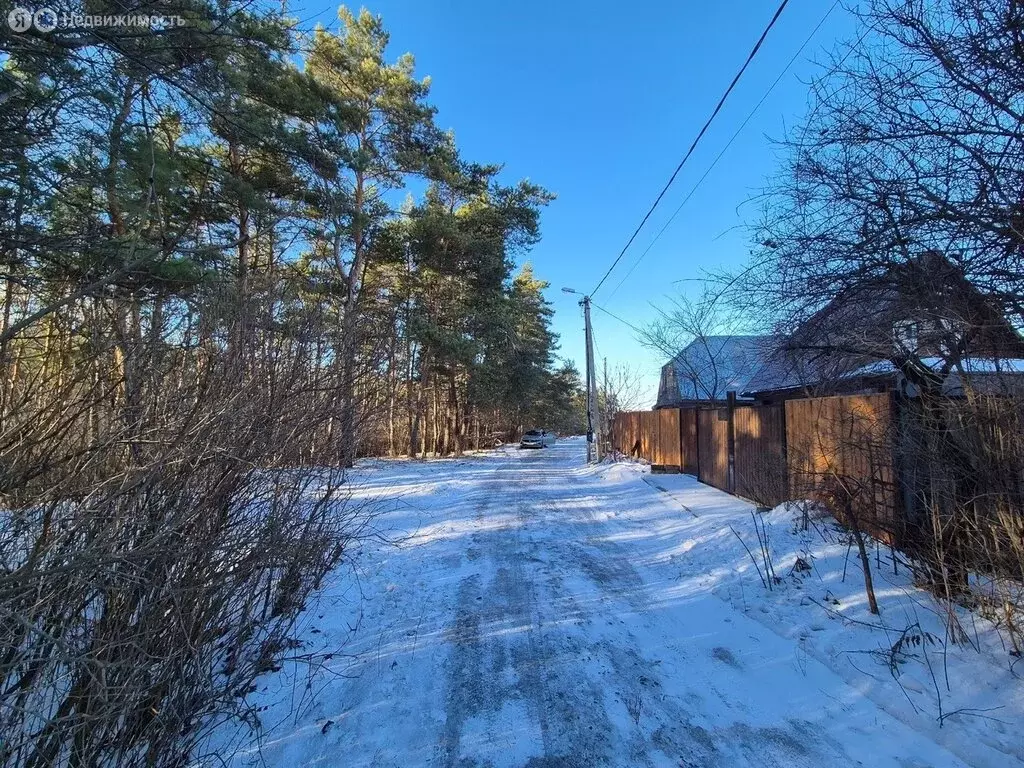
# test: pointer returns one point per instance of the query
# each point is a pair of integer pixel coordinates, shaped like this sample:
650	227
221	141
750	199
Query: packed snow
521	608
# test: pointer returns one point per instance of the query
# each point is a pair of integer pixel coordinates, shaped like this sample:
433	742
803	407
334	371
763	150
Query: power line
616	317
726	147
696	141
646	337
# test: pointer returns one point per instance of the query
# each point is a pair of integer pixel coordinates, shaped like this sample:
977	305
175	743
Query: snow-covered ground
523	608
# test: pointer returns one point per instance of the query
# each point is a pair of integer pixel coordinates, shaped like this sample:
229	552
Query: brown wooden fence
842	447
771	453
667	437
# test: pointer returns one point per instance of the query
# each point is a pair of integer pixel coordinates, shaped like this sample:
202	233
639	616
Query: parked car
537	438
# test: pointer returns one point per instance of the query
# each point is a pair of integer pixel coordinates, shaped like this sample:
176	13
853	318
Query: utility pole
591	378
591	383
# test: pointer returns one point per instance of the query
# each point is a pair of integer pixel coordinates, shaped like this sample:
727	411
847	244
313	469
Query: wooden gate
760	453
713	447
688	440
666	448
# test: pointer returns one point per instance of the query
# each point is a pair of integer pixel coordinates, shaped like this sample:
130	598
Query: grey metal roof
711	366
781	368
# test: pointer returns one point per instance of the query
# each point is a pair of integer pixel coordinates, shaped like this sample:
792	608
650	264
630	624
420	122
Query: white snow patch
528	606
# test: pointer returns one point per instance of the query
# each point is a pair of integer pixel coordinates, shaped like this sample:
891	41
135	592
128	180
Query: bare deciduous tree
891	241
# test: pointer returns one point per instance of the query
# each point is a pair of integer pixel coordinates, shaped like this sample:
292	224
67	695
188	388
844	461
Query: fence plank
688	440
668	438
647	425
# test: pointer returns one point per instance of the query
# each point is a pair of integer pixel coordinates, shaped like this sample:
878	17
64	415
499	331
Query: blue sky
598	102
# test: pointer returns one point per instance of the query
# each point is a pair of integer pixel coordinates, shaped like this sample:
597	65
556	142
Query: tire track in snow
507	655
673	727
575	726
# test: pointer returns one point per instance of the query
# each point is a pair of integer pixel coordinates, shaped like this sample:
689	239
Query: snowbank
967	696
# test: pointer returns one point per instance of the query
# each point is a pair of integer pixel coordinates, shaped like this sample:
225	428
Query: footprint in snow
726	657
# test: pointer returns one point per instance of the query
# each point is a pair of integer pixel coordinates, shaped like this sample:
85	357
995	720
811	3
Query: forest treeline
236	184
235	253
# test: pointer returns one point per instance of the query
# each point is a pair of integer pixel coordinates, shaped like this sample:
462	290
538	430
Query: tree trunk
453	410
348	401
417	428
355	276
239	321
433	418
865	561
392	396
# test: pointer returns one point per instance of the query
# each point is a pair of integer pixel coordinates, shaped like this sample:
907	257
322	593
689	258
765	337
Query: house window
904	336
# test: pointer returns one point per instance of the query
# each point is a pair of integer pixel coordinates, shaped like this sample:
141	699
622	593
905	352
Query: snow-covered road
540	612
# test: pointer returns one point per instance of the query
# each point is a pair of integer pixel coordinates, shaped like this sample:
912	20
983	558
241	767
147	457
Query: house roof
970	366
781	368
710	366
844	338
997	371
